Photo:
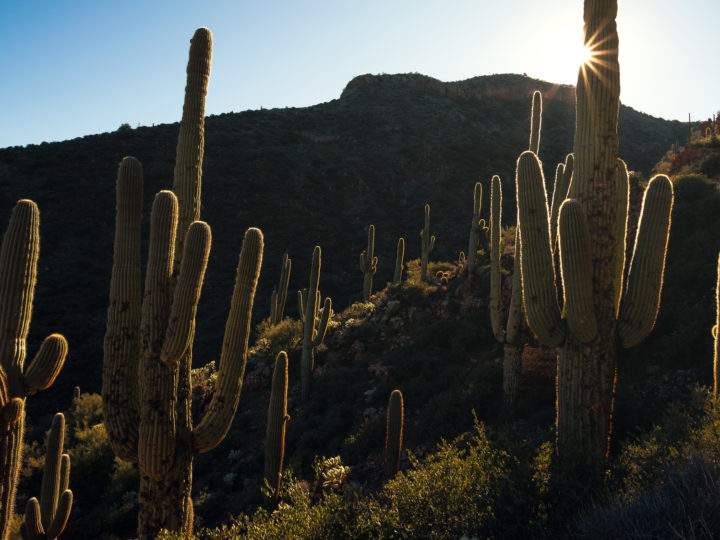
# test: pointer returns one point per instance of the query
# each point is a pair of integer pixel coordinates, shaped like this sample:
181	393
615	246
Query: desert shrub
710	166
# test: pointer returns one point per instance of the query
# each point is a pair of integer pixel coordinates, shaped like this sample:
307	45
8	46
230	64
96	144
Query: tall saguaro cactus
368	263
149	336
277	418
279	295
18	275
46	519
591	231
427	244
315	321
477	227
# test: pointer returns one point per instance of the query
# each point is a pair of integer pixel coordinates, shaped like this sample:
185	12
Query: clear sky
77	67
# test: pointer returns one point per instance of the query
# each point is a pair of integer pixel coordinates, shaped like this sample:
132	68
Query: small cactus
393	434
477	229
399	254
368	263
427	245
279	294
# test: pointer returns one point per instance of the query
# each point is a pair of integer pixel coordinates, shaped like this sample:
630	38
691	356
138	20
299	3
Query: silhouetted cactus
427	245
393	434
148	341
279	294
315	321
399	255
594	227
277	418
477	229
368	263
535	120
18	274
716	355
46	520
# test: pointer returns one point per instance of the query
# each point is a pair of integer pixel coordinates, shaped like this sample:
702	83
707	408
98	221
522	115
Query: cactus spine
427	245
46	520
393	434
315	321
399	254
18	274
148	340
368	263
277	418
592	274
279	294
477	228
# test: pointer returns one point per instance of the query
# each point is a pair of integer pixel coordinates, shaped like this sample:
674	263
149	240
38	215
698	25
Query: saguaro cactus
46	520
716	355
477	228
393	434
18	274
315	321
399	255
277	418
427	244
591	233
368	263
279	294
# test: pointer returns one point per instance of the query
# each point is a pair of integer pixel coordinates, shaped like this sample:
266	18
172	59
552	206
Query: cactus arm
563	177
277	418
33	527
61	516
641	301
538	274
516	320
623	203
46	365
496	306
191	139
64	473
319	332
186	296
393	434
576	271
399	255
215	424
535	121
121	347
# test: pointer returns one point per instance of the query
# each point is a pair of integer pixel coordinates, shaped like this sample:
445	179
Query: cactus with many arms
315	321
18	274
427	244
279	295
46	519
477	229
393	434
399	255
148	340
277	418
368	263
591	234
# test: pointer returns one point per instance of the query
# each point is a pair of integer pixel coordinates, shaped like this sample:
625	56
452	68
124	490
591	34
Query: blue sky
79	67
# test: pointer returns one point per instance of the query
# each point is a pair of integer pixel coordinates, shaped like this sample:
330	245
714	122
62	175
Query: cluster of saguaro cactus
315	321
148	341
399	255
591	233
393	434
277	418
368	263
18	275
477	229
46	519
427	244
279	294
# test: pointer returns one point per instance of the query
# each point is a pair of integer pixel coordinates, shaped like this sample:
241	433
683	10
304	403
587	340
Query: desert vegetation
555	381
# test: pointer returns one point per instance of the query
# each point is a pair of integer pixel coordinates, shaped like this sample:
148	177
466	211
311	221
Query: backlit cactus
477	229
427	244
277	418
399	255
591	233
368	263
279	294
315	321
18	274
716	355
393	434
149	335
46	520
